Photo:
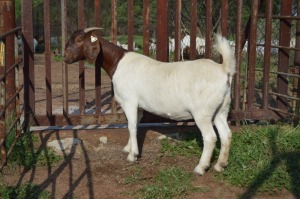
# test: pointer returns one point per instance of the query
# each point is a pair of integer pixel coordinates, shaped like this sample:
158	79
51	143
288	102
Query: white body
197	89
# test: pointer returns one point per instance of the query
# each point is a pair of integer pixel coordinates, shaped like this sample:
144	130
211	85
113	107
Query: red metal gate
265	38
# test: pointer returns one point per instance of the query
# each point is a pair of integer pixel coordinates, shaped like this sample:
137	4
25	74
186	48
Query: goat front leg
132	145
127	148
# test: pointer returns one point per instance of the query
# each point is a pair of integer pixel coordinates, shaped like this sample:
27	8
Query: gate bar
209	27
284	55
81	63
146	33
130	32
114	40
162	35
267	57
224	17
47	59
177	30
296	85
193	29
252	53
97	4
28	70
238	47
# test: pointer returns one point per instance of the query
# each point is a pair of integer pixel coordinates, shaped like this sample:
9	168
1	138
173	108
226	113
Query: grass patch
25	154
25	191
266	159
262	158
135	177
191	146
169	183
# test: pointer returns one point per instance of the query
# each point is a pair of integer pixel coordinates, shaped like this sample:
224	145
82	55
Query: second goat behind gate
198	89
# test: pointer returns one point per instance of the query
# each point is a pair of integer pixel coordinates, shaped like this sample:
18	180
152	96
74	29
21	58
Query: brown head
83	44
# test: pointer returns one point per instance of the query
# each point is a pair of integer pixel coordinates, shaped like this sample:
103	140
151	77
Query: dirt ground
94	170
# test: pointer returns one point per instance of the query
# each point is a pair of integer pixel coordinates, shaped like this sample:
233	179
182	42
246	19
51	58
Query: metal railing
10	110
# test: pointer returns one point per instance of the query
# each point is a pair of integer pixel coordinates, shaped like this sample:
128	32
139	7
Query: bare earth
95	170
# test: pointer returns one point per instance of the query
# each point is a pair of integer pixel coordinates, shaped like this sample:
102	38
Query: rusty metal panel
252	54
224	17
162	31
284	55
97	10
28	70
146	32
47	58
81	63
238	47
130	32
63	120
113	32
296	85
97	4
8	24
64	65
193	29
208	36
114	40
177	30
267	58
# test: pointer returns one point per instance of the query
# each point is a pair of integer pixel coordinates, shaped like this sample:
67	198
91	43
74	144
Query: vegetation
25	191
167	183
24	154
264	159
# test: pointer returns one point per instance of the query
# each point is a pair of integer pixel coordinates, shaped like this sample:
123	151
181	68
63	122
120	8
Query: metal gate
264	35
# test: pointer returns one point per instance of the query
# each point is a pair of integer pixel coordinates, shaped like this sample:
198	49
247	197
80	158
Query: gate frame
265	112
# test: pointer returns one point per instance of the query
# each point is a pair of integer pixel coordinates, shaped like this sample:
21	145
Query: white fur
197	89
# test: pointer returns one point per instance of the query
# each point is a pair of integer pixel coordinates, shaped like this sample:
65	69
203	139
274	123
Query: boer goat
197	89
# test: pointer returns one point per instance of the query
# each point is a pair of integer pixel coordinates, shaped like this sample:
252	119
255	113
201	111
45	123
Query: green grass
25	154
262	158
25	191
168	183
266	159
191	146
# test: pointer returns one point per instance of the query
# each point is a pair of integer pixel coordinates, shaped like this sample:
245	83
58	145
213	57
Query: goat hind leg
209	142
225	136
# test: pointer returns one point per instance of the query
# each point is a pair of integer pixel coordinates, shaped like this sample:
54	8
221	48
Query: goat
198	89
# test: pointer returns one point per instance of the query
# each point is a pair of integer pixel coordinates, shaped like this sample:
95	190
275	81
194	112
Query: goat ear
91	47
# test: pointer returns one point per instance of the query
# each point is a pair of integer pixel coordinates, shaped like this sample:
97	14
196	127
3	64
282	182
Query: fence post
284	54
28	70
146	33
162	33
7	10
296	86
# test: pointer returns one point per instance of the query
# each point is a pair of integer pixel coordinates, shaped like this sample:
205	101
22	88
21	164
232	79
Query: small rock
103	140
64	145
161	137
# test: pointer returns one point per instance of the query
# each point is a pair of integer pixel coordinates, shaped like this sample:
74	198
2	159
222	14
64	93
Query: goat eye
79	39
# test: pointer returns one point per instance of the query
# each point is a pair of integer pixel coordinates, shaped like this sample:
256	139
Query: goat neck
109	56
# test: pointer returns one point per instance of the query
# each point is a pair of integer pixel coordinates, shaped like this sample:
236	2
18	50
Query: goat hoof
200	170
131	158
219	167
126	150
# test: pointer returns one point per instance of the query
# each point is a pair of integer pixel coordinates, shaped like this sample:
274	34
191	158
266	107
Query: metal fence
10	87
263	35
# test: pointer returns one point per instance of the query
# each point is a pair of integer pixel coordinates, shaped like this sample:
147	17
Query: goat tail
223	47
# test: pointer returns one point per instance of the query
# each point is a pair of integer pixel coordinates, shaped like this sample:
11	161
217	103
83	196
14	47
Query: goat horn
86	30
